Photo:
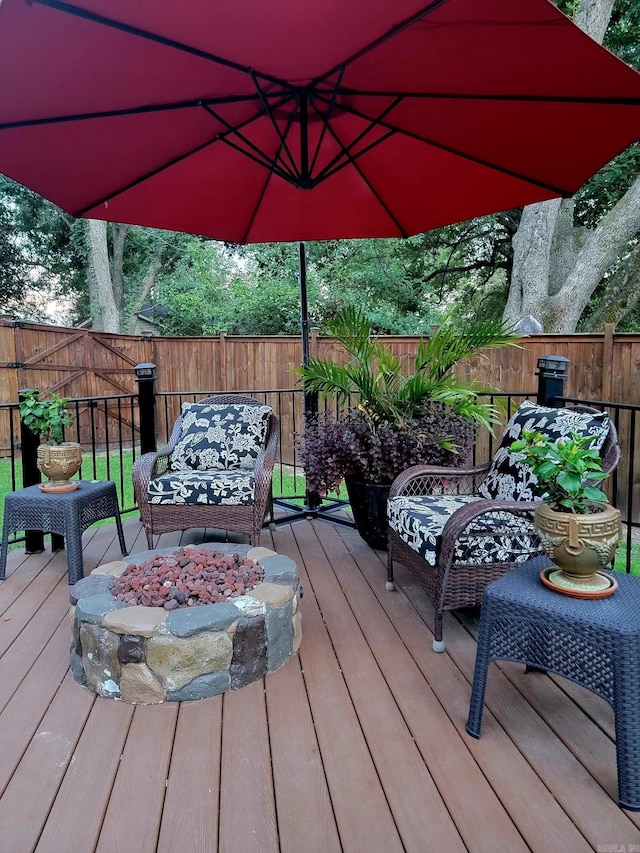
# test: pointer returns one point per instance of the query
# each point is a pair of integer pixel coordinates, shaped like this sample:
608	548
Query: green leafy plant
46	418
567	469
427	415
389	394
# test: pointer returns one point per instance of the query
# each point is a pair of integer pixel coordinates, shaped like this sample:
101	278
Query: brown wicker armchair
453	538
242	510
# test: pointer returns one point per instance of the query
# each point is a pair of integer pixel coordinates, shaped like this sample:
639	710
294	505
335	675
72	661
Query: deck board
190	813
99	747
132	819
358	743
247	803
363	815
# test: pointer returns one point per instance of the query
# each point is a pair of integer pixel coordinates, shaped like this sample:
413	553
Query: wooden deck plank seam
349	692
450	615
69	762
378	594
7	651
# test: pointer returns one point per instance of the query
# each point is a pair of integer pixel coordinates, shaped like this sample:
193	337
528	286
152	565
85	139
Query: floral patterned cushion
220	437
509	477
231	488
421	520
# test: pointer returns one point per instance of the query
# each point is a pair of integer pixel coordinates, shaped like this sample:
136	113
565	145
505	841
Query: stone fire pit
147	655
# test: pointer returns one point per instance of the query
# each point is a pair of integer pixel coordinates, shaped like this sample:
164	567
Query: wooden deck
358	744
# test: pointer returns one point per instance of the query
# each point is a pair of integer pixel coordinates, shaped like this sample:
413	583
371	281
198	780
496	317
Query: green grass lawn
635	558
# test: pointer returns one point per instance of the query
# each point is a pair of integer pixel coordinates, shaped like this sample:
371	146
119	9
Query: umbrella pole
313	507
312	499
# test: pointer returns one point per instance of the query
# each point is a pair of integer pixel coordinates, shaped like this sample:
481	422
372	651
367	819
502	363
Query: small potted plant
577	526
57	459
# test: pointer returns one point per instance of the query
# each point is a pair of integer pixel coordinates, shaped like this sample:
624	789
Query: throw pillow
509	478
220	436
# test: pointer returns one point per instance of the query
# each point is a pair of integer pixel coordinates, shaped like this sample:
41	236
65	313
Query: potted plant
57	459
397	419
577	526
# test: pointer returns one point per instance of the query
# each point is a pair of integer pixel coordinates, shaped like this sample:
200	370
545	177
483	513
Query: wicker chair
474	539
246	517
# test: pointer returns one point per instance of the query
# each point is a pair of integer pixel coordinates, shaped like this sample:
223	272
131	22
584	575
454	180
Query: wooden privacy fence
85	364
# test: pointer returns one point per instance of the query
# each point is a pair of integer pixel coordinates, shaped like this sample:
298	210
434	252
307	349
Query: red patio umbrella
269	120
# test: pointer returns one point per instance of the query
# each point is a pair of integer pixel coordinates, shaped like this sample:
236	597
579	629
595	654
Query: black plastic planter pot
369	507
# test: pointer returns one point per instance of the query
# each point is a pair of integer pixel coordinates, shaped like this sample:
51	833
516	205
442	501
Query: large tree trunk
556	266
105	312
146	286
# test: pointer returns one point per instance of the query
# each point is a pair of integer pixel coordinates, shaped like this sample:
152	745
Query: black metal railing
108	429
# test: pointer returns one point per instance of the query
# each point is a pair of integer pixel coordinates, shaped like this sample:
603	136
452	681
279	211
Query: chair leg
390	584
149	538
438	642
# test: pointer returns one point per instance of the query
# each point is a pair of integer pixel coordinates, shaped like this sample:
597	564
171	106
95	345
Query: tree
40	252
560	261
125	263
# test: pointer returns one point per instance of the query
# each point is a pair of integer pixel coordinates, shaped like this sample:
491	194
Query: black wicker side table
595	643
69	514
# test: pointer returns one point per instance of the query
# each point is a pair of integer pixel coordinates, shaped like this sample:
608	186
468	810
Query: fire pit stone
146	655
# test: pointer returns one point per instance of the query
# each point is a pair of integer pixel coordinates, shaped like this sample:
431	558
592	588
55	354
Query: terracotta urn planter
58	462
580	544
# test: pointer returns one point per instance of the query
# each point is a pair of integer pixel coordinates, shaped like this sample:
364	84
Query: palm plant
388	394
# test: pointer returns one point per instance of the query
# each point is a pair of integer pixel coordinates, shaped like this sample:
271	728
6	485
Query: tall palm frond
375	374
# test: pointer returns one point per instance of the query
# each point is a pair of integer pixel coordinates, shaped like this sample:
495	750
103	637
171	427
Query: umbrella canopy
270	120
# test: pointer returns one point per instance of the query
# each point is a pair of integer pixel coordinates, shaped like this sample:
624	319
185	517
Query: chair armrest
263	469
462	518
432	479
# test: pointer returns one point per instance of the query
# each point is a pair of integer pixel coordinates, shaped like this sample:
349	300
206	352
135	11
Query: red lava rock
187	578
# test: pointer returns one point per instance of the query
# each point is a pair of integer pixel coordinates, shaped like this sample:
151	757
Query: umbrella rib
256	208
329	168
221	137
326	119
269	112
264	189
329	173
269	165
450	150
373	190
143	178
94	18
520	98
128	111
397	28
262	158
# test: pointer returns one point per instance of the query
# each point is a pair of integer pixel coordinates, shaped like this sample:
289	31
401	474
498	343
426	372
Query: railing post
146	376
553	371
31	476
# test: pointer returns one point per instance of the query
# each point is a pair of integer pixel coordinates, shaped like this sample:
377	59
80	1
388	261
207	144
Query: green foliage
566	469
385	391
46	418
38	252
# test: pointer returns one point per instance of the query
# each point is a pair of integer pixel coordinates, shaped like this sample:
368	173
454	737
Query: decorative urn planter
579	544
58	462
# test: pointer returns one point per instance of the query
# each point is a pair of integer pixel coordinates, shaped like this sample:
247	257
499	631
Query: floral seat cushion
189	487
220	437
509	477
419	521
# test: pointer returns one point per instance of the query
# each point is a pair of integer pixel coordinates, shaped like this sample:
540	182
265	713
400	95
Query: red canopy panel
247	120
